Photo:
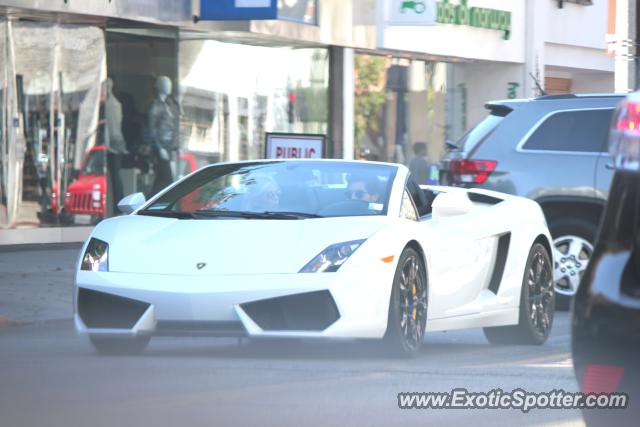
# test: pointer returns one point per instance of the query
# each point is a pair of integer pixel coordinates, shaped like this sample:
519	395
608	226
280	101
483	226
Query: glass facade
90	114
51	90
400	110
232	94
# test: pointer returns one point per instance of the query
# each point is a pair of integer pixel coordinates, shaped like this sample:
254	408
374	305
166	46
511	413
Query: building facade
102	98
482	50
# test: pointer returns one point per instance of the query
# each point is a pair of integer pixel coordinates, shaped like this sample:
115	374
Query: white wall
593	82
486	82
576	25
578	57
571	39
459	41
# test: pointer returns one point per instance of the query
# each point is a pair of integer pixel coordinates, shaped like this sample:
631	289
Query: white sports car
316	248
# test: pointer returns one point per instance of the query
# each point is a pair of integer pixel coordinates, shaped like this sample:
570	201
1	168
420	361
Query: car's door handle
609	166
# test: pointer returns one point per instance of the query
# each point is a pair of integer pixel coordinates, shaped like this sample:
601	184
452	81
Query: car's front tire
537	304
110	345
408	306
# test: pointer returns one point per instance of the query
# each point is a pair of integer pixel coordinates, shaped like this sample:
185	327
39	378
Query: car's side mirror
131	202
451	204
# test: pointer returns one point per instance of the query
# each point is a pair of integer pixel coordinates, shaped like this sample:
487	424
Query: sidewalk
36	282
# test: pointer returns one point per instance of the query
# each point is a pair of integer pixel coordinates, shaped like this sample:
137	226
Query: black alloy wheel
537	303
408	305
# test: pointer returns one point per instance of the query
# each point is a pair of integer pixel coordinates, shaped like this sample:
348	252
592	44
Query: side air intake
501	260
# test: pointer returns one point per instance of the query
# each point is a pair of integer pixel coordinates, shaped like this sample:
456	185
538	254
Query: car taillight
624	137
602	378
471	171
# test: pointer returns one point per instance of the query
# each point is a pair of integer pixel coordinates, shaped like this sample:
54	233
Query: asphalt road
51	377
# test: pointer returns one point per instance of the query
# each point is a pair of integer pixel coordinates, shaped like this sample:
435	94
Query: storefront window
90	115
142	112
305	11
51	98
399	109
231	94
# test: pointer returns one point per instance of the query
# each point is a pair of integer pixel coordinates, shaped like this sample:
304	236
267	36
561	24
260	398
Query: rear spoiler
498	109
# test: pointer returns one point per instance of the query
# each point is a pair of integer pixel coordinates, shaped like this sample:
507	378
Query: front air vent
102	310
312	311
200	328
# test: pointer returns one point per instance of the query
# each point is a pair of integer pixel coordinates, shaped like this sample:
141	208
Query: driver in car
363	187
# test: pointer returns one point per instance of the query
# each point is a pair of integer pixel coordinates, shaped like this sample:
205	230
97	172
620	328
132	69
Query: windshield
95	163
279	190
479	132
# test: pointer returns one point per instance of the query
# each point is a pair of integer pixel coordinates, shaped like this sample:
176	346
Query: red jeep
85	200
86	196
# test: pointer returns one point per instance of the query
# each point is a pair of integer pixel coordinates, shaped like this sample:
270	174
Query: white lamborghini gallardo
316	248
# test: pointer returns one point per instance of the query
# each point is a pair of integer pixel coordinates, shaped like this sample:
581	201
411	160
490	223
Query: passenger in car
363	187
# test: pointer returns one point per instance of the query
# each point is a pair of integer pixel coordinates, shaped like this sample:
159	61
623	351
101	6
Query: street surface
51	377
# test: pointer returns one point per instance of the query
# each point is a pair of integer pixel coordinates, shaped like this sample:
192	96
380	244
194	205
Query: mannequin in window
163	121
115	143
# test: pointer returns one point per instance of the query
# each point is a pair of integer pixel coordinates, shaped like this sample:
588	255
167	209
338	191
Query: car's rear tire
407	306
537	304
110	345
573	245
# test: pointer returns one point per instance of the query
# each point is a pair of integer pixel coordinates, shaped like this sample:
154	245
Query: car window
312	188
479	132
584	131
95	163
407	210
418	196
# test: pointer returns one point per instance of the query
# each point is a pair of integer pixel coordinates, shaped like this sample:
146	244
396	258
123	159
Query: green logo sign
480	17
416	6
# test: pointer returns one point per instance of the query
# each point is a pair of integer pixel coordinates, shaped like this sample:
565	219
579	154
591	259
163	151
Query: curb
40	247
6	322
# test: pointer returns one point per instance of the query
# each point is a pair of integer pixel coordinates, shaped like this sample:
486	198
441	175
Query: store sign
410	12
294	146
512	90
234	10
480	17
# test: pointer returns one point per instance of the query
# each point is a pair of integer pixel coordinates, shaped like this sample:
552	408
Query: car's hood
143	244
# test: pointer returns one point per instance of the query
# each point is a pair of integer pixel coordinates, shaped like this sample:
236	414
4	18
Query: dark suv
552	149
606	314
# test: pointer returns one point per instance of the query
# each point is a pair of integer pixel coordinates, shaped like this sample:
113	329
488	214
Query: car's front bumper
351	303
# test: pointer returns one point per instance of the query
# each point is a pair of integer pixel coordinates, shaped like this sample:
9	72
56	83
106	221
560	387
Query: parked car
551	149
85	199
606	315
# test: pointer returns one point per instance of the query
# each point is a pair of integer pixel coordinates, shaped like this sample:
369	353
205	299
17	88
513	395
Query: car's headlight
332	258
624	138
96	256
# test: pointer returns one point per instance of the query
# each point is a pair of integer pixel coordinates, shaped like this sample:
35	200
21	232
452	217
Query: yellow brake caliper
415	310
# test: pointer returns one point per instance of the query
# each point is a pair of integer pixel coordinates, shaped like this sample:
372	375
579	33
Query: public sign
294	146
234	10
